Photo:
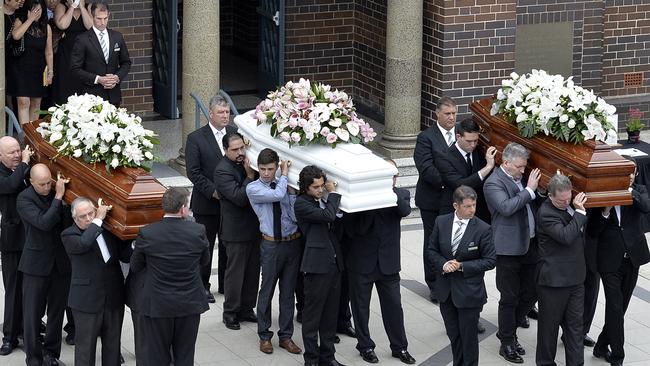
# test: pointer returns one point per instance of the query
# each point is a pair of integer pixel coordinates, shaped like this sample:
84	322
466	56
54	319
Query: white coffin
364	180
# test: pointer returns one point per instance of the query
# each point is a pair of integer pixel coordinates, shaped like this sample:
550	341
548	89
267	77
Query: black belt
291	237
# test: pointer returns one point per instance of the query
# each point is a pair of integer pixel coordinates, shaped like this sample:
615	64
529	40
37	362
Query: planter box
135	195
364	180
593	167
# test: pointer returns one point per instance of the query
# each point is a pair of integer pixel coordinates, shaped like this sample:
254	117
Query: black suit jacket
375	237
238	220
614	240
202	154
561	243
12	231
476	253
172	251
87	61
430	145
322	248
454	172
43	220
95	285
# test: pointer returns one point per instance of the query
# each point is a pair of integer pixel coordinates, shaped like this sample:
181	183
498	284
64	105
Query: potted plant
634	125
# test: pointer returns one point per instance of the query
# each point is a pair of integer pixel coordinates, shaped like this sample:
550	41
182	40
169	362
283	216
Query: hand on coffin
330	186
100	202
292	190
606	211
489	156
27	154
102	211
579	201
284	167
533	179
59	188
250	173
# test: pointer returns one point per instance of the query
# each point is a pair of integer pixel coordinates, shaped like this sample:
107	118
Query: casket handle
247	142
559	172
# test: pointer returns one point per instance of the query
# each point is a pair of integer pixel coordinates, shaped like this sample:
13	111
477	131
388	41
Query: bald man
14	167
44	264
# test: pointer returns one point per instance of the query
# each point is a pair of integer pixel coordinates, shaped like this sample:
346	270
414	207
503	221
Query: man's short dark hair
307	176
559	183
229	137
445	101
99	6
464	192
467	126
174	198
268	156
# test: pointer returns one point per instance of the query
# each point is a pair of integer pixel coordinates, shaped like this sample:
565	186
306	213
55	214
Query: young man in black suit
561	272
14	167
622	248
44	264
461	251
240	232
430	145
322	263
97	290
172	251
203	150
100	58
373	258
465	165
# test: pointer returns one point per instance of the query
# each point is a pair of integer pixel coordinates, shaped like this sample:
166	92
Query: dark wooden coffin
592	166
134	194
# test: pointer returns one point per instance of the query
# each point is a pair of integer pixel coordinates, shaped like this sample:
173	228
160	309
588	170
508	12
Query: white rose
572	123
148	155
522	117
116	148
77	153
115	162
564	118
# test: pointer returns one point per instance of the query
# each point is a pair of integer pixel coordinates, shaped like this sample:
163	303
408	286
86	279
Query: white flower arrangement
306	113
93	129
541	103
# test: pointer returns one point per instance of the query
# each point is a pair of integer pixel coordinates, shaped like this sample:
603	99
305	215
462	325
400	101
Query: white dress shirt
454	227
445	134
218	134
102	242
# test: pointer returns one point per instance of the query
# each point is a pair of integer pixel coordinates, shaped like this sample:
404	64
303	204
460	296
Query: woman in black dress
31	74
72	20
9	9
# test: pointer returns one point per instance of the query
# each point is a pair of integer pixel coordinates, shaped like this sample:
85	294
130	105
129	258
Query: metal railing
13	125
201	109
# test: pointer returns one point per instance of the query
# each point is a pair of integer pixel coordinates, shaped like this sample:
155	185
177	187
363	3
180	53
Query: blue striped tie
104	45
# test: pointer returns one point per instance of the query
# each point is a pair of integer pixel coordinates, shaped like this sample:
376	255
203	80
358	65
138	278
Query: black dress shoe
432	297
404	356
211	298
69	339
331	363
247	317
519	349
348	331
7	347
533	314
369	355
524	323
337	340
121	359
588	342
480	328
604	354
299	317
231	323
311	363
509	353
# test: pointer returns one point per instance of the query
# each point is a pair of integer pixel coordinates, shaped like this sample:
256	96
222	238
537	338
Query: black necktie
469	162
277	217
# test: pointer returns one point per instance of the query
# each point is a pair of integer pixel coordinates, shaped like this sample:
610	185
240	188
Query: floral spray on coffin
106	153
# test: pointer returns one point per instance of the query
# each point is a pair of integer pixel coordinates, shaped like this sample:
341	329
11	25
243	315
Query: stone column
403	77
200	59
3	89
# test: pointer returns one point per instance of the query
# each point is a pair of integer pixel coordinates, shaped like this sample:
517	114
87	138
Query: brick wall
627	46
133	18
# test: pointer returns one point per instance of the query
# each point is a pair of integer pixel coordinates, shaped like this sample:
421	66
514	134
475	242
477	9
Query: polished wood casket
135	195
593	166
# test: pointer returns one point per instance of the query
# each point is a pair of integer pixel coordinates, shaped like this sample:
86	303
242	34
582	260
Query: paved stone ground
428	343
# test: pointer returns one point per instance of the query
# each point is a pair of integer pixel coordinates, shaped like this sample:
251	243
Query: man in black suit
240	232
44	264
97	287
203	150
461	251
373	257
100	58
14	167
622	248
173	299
430	145
464	164
561	272
322	263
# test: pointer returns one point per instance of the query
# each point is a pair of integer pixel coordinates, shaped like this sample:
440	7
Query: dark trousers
515	280
39	292
107	325
300	286
618	288
462	330
560	307
280	261
390	301
320	314
428	220
345	315
69	327
138	339
13	283
592	286
211	223
242	277
162	334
